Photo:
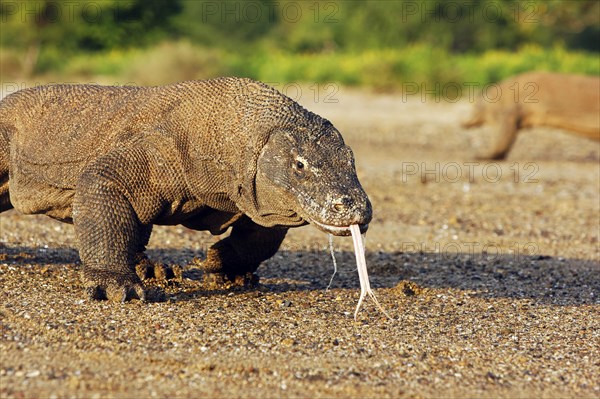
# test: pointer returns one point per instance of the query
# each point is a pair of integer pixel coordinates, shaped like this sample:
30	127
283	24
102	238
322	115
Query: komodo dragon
569	102
209	155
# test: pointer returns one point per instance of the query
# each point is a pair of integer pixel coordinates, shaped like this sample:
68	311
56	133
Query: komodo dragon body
568	102
209	155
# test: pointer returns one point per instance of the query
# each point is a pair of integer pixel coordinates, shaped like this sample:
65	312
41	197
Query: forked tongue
361	265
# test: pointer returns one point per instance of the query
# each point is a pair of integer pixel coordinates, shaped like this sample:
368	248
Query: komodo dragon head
289	166
307	170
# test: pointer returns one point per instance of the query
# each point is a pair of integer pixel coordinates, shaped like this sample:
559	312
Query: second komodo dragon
209	155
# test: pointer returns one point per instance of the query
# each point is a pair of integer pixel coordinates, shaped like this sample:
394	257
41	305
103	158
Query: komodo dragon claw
116	292
147	269
126	293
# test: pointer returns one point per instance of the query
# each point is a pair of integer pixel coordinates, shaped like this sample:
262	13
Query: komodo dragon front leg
242	252
112	200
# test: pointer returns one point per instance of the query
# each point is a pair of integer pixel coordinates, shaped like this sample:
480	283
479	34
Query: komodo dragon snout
311	172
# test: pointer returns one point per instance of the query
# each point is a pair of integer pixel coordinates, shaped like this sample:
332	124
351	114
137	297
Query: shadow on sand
544	279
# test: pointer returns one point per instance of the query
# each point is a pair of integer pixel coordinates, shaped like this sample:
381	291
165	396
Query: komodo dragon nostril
339	207
342	204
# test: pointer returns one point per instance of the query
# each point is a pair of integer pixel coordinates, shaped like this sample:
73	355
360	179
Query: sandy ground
490	271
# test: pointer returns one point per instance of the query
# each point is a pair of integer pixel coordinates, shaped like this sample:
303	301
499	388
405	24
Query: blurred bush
376	43
392	69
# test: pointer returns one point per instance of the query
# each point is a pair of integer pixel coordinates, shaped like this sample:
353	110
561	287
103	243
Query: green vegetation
380	44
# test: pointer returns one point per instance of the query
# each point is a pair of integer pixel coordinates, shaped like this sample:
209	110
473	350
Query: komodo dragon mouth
338	230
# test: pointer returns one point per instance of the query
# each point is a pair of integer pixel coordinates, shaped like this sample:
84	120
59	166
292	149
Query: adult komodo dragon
209	155
534	99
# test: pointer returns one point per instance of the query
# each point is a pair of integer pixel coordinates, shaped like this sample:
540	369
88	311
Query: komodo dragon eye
299	168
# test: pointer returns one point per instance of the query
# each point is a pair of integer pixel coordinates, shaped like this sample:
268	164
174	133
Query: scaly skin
211	155
568	102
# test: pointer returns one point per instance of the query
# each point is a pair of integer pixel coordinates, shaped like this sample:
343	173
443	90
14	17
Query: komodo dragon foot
124	287
232	261
102	285
217	281
156	273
